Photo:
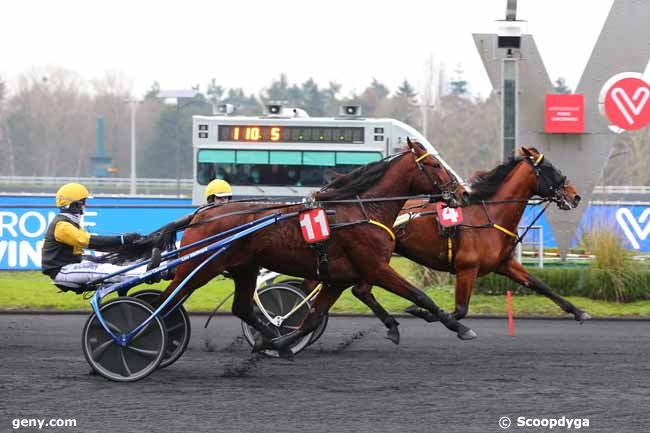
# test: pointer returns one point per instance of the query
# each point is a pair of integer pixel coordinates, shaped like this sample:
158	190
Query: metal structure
623	45
533	242
288	154
100	161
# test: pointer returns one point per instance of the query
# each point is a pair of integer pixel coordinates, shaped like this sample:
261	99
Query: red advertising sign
625	101
449	216
565	114
314	225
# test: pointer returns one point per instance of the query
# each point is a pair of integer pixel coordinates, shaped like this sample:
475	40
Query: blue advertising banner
24	219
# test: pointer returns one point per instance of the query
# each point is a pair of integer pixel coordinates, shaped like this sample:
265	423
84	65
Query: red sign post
565	114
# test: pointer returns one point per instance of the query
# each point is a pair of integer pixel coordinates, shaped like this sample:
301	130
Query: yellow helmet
219	188
71	192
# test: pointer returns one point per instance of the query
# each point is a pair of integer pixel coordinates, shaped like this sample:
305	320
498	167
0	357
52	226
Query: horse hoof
393	335
583	316
286	353
467	335
260	344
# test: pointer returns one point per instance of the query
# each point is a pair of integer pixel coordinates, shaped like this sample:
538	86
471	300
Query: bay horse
485	241
366	202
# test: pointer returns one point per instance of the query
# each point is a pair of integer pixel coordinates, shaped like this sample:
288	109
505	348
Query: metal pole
509	107
132	190
178	150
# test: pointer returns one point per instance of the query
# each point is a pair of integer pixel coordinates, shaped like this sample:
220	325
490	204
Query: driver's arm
68	234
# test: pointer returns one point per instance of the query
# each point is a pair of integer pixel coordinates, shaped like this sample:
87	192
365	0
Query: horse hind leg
363	292
390	280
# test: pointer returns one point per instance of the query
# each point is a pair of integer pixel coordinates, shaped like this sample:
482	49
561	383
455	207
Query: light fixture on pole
509	33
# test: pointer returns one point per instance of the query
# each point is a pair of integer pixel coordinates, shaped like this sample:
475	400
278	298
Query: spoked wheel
318	332
178	327
278	300
127	363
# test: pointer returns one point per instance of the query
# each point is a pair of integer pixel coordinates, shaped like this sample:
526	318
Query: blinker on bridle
446	194
554	189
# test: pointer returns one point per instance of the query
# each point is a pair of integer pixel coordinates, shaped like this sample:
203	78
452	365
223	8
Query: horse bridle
555	195
447	194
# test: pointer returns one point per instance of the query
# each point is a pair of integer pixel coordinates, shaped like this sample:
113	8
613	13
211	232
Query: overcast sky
246	43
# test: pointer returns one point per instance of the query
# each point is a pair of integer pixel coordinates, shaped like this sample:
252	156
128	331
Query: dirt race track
352	380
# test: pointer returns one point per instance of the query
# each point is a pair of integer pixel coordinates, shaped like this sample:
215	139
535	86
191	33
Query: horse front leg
516	272
242	306
362	291
465	279
324	301
390	280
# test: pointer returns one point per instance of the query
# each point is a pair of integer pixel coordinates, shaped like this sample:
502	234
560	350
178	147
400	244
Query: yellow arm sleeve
68	234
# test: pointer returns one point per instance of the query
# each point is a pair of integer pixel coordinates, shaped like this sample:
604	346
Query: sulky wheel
178	327
318	332
278	300
140	357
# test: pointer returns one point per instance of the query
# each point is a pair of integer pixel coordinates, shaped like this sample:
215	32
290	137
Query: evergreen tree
214	92
153	91
560	86
406	91
314	99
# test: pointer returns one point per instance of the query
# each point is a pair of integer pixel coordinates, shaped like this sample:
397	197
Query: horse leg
515	271
324	301
362	292
245	278
390	280
464	285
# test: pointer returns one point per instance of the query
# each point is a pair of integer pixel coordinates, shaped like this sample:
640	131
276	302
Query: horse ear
409	142
524	152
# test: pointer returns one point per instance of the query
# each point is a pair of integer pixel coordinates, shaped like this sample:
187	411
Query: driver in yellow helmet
218	191
65	240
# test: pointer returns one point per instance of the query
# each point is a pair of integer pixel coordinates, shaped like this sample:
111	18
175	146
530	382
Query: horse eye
436	165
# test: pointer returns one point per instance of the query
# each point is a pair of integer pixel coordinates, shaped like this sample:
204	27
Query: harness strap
539	159
378	224
450	250
421	157
504	230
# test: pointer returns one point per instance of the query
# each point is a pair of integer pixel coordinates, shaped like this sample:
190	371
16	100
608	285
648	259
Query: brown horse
485	242
358	251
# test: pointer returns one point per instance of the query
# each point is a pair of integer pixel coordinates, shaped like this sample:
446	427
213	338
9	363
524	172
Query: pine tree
560	86
406	90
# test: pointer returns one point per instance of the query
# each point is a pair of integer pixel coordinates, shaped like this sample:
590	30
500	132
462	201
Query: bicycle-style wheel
278	300
140	357
179	329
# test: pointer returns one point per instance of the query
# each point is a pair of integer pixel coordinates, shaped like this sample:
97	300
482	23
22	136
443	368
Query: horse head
551	183
436	177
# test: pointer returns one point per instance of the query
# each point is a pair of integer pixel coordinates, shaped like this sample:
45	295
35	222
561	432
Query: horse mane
484	184
357	181
163	238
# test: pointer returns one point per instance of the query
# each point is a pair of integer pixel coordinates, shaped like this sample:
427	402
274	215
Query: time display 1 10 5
291	134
